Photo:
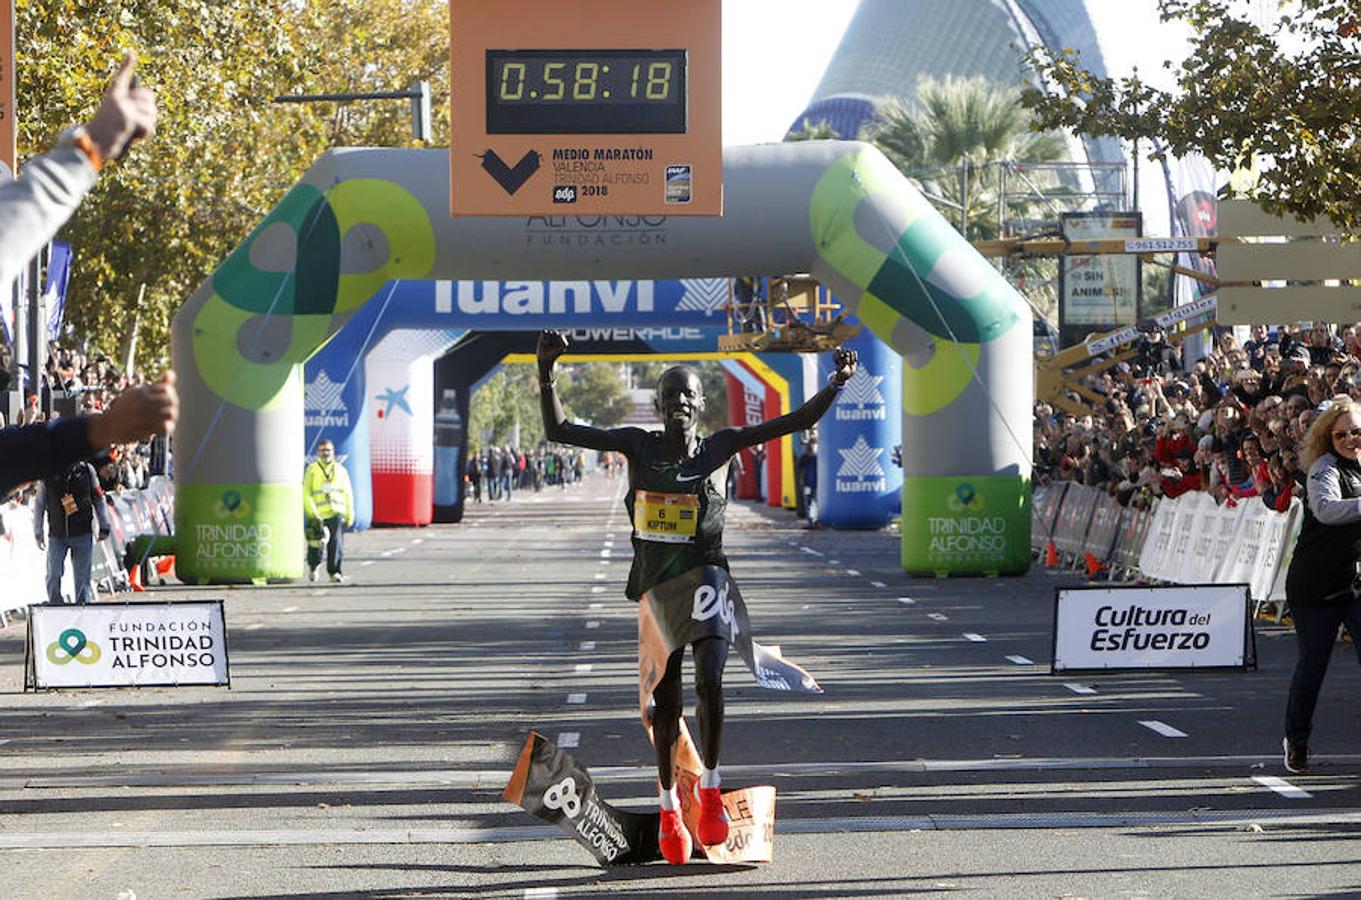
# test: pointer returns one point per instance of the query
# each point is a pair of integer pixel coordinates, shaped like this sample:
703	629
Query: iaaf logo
860	399
860	462
535	298
323	405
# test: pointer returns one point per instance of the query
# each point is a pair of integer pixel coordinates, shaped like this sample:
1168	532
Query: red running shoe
713	818
673	839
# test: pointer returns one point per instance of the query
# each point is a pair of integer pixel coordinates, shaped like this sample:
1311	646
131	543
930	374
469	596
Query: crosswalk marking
1162	728
1282	787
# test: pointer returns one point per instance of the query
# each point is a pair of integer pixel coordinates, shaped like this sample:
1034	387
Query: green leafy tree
224	153
596	394
1283	95
963	125
506	399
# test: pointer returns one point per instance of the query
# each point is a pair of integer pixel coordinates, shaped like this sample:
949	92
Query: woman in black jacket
1323	585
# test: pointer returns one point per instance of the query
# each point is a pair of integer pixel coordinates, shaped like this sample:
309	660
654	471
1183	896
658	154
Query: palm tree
954	141
813	131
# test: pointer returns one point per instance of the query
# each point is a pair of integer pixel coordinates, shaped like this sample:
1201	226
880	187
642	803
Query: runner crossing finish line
685	596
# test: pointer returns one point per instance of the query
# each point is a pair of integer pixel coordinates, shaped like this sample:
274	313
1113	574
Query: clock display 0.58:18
586	91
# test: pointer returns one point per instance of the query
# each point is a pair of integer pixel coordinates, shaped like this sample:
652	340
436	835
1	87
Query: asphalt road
370	727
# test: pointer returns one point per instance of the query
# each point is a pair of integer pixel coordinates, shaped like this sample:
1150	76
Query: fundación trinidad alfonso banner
127	645
1203	626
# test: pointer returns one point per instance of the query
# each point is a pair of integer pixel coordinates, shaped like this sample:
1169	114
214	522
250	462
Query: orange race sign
8	127
585	107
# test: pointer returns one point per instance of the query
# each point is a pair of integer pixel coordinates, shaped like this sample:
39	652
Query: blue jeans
1315	634
81	547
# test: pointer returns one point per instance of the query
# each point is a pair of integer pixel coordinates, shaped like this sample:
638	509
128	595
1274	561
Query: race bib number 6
665	518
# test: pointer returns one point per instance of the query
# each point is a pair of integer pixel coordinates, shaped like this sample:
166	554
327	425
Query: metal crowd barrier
1187	540
23	566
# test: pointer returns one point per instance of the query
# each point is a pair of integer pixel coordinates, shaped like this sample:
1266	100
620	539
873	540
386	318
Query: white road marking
976	638
906	601
253	626
1282	787
609	543
418	540
587	645
569	739
1079	688
610	535
89	703
593	623
854	573
1162	728
367	562
598	589
386	553
878	584
1021	660
938	617
576	698
810	551
605	554
599	575
834	562
290	609
541	893
398	550
793	543
595	606
583	668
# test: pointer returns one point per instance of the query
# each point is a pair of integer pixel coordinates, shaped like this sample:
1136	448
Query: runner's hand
552	344
845	361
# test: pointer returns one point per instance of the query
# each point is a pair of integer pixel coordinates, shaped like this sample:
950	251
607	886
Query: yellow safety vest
327	494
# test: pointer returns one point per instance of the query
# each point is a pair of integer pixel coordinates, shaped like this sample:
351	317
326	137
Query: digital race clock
586	91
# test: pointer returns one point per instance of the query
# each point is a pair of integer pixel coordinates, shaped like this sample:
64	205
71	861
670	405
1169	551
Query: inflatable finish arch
837	210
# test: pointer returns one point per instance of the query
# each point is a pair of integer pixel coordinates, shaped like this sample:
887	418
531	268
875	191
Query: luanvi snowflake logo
861	463
706	295
860	399
323	403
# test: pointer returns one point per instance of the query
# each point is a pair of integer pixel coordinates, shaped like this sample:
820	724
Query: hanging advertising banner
169	644
587	107
1184	626
1097	293
8	126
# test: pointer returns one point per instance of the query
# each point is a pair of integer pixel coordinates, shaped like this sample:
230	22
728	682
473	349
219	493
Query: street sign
8	129
595	107
1280	269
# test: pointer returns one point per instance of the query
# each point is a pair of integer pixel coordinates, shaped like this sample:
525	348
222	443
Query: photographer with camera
1323	584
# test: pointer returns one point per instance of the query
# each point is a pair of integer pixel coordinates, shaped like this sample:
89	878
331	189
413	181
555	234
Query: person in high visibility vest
329	505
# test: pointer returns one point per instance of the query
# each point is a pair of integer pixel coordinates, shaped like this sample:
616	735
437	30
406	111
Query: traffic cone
1093	565
1051	556
135	579
165	567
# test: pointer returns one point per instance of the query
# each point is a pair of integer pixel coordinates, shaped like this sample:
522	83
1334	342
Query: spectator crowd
84	384
1232	423
496	473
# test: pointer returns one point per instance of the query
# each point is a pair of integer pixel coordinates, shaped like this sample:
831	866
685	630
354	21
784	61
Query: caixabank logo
860	472
860	400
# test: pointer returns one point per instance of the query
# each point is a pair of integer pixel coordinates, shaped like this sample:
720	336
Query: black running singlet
676	513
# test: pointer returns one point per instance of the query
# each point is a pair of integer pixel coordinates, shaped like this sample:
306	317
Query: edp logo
565	193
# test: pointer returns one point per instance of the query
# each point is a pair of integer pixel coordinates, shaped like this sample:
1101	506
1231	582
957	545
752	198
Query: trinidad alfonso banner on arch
1184	626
